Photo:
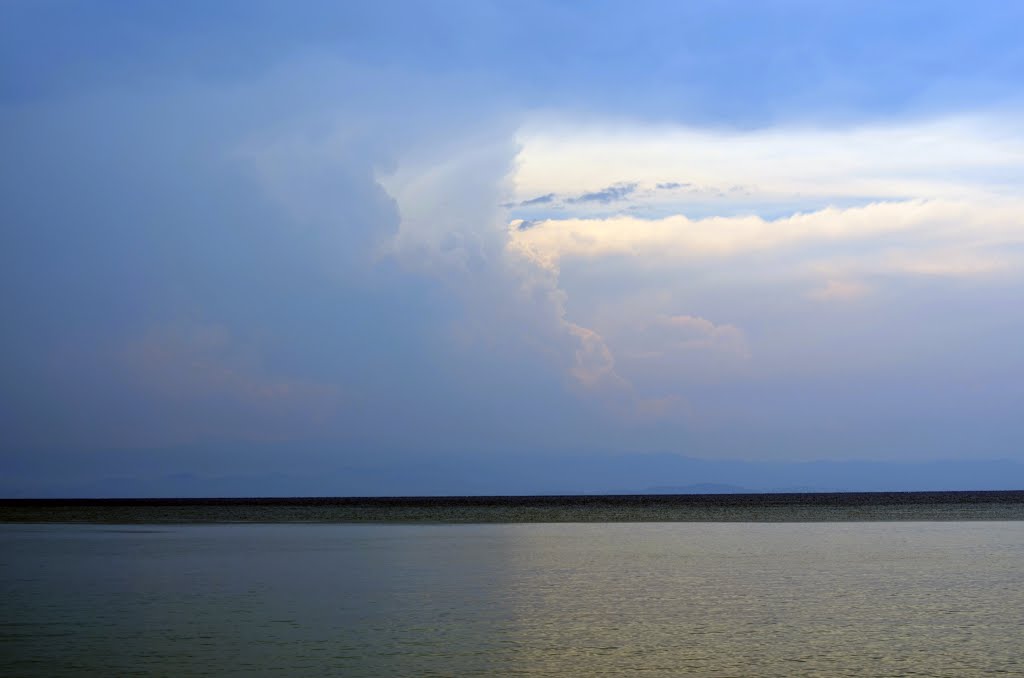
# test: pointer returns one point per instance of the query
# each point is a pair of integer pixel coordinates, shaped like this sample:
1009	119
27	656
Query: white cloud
453	227
954	157
923	198
646	350
856	205
921	226
774	231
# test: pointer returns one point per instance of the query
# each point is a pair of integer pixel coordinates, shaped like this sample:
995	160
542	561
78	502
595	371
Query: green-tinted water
784	599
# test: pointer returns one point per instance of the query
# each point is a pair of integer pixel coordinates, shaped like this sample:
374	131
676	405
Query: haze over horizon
369	248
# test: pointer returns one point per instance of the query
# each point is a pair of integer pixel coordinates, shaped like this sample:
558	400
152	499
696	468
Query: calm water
660	599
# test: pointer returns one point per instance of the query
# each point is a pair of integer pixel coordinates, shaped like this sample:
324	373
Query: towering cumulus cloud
393	247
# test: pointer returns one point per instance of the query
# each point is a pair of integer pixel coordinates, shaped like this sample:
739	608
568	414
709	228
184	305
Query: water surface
659	599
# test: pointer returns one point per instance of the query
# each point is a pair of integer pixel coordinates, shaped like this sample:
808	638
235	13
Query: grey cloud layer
264	238
173	283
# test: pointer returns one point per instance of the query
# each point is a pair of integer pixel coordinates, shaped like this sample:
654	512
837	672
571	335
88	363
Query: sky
365	248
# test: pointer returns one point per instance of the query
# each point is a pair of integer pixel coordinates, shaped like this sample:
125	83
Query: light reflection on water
541	599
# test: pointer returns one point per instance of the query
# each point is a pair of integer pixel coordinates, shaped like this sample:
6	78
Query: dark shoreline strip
732	499
774	507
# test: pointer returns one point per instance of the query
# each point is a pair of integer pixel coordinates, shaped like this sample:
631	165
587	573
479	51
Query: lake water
656	599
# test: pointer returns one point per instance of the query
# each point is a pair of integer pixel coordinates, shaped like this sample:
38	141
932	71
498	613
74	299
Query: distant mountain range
176	474
697	488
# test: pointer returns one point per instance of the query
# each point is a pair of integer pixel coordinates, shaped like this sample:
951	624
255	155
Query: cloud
297	228
686	332
666	349
353	259
594	361
211	385
840	290
539	200
606	195
509	302
610	194
797	168
968	261
919	225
